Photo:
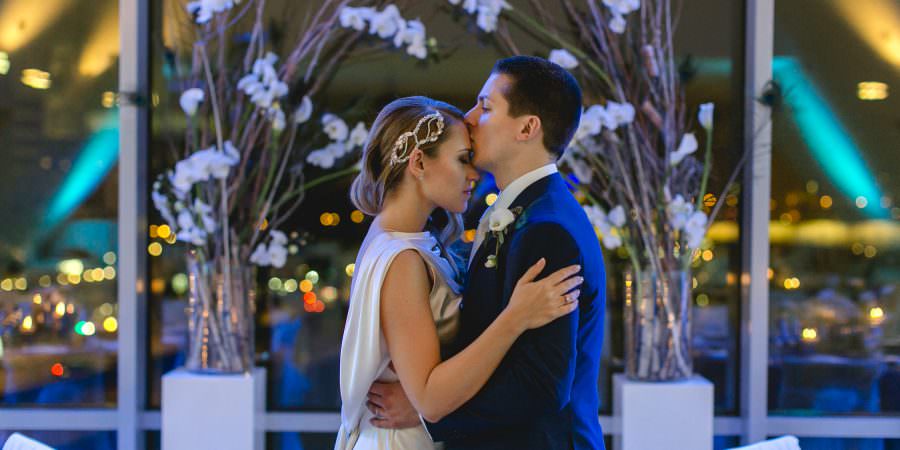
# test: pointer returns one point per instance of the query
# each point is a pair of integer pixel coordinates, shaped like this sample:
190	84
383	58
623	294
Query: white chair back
20	442
782	443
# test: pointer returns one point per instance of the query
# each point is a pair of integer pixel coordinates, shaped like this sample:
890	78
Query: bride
405	292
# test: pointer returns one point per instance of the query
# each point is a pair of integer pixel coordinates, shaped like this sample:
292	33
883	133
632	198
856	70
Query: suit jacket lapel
525	199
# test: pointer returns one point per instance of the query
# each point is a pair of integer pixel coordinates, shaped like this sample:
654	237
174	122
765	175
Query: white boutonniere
498	223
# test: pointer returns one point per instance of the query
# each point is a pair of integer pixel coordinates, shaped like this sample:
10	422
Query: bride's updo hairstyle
384	160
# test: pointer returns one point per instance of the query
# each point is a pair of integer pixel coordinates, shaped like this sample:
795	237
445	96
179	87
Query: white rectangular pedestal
213	412
676	415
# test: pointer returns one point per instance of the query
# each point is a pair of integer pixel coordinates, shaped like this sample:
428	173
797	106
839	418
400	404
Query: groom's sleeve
536	375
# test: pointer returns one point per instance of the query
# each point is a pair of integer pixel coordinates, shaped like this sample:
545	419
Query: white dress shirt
506	198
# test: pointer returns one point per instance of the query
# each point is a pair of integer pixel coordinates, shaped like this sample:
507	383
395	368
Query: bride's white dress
364	352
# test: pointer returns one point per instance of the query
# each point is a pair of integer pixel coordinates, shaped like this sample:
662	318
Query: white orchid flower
617	216
278	237
232	152
581	170
277	255
358	135
622	7
162	205
204	9
562	57
190	100
598	218
687	146
321	158
278	120
488	12
412	35
591	123
218	164
185	220
387	22
621	113
487	21
611	241
188	172
706	115
679	211
260	256
418	50
606	116
304	111
335	127
262	84
205	213
696	229
193	236
617	24
356	17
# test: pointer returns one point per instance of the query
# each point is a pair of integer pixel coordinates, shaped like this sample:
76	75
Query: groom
544	393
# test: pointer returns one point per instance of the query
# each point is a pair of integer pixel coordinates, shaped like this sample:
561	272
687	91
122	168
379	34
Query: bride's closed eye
466	157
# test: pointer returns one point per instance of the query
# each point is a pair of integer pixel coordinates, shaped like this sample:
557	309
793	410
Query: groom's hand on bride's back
391	408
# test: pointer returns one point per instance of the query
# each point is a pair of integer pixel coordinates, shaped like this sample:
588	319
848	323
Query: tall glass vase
658	325
220	316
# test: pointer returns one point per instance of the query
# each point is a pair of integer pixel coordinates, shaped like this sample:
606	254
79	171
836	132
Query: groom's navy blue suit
544	393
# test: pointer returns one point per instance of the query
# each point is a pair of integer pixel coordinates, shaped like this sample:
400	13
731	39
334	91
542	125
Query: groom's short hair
544	89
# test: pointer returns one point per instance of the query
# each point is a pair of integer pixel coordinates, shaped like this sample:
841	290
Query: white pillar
213	412
663	415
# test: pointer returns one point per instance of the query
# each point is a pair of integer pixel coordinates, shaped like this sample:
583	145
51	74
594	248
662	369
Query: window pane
835	236
300	441
69	440
58	188
726	442
849	444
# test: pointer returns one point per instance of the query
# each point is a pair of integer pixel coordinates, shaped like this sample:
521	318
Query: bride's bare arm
436	388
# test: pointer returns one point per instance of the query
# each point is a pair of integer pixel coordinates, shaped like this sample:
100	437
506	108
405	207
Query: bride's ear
416	164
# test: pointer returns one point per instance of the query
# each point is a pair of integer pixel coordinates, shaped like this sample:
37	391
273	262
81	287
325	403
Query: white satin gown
364	352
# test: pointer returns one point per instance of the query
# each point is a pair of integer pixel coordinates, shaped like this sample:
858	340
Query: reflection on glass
58	191
834	230
298	441
68	440
849	444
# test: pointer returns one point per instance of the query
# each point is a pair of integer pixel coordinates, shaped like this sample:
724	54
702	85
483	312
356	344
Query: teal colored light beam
824	135
90	168
830	144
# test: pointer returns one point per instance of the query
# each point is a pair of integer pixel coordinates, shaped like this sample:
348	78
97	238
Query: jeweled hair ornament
434	126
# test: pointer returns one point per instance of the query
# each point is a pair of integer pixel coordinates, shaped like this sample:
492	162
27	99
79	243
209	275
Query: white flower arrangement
389	24
562	57
487	12
344	141
619	9
240	175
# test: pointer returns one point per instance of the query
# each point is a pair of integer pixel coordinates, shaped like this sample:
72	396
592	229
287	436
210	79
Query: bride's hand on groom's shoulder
391	408
534	304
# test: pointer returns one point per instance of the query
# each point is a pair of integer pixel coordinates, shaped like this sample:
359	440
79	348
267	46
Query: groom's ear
530	128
